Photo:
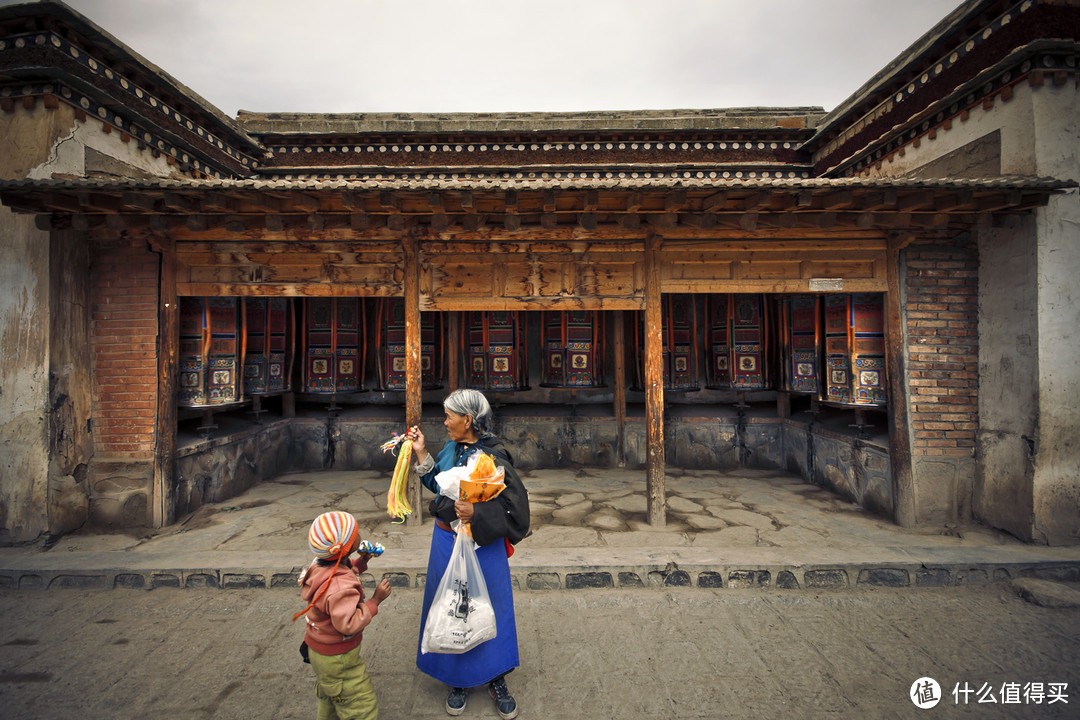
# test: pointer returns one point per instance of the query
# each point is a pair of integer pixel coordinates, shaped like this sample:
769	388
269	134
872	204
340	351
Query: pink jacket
336	622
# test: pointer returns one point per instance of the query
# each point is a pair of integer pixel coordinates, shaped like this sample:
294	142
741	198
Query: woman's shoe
455	701
504	701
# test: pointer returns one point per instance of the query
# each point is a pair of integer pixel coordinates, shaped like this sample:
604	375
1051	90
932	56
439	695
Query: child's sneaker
504	701
455	701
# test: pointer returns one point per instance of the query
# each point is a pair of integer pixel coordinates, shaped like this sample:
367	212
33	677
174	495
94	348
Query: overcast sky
516	55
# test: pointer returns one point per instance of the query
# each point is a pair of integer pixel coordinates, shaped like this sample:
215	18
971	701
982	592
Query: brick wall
123	327
943	347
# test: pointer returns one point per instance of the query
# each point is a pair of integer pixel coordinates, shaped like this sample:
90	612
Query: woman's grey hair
466	401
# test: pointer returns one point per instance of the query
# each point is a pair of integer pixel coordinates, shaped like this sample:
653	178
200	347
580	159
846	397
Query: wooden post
899	441
783	404
413	379
620	388
453	348
654	387
161	502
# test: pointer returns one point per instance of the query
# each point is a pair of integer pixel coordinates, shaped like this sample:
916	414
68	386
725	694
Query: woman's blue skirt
490	659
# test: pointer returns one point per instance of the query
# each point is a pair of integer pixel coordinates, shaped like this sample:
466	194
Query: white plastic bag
461	616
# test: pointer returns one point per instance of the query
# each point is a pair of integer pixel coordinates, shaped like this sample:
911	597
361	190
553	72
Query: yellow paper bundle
485	481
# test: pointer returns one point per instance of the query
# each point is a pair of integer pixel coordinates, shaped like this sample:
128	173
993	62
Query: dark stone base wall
218	469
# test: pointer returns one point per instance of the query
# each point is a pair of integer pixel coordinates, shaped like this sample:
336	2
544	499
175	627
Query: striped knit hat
332	535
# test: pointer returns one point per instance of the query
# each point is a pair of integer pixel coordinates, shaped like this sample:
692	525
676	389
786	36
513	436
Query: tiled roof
1033	184
753	118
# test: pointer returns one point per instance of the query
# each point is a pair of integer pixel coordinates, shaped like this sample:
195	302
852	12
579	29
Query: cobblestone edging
541	579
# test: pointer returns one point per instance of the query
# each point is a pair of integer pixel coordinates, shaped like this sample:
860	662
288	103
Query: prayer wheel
679	333
573	349
739	342
801	336
855	349
211	352
390	344
335	330
271	346
494	343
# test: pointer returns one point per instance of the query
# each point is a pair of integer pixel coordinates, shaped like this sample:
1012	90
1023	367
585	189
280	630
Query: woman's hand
419	444
382	591
464	510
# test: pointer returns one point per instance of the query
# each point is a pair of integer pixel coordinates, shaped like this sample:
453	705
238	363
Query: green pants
343	687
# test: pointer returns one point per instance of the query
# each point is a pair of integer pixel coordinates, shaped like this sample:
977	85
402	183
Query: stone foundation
858	469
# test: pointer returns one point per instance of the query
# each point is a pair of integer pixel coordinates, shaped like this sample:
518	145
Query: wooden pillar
654	387
413	379
899	439
453	348
161	500
620	388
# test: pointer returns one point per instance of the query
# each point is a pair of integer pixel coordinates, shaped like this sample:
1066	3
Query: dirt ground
615	653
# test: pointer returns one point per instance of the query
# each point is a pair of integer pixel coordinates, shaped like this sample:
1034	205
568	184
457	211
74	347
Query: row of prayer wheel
831	347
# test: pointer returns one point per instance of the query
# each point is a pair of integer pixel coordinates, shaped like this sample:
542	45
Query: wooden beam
175	202
915	201
549	202
753	200
899	443
999	201
837	200
592	201
654	387
352	201
137	202
413	379
716	201
675	201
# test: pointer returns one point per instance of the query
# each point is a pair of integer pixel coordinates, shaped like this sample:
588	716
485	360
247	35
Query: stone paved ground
615	653
570	508
724	528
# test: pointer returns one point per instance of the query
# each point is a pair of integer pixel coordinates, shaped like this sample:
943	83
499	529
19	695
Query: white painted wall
1056	130
39	143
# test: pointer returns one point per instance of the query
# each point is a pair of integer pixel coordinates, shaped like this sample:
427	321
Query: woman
496	525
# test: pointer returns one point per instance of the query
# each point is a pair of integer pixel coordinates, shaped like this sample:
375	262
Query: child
336	618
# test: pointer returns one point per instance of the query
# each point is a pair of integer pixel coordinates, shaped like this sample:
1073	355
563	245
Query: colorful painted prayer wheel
271	345
739	342
390	344
211	352
494	343
573	349
334	345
